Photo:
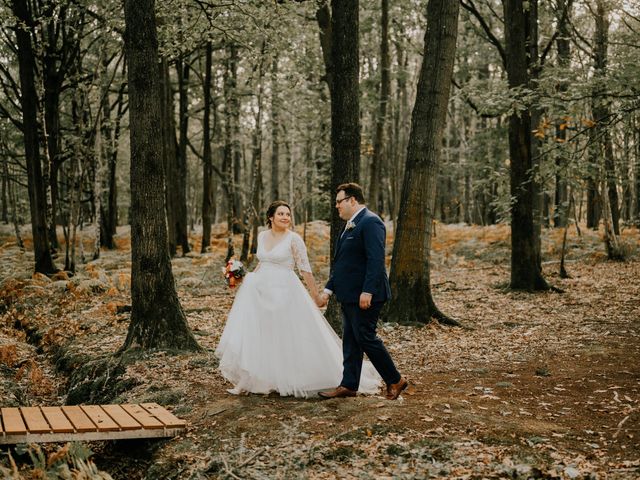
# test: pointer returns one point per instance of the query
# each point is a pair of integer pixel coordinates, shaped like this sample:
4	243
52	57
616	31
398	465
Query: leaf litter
542	385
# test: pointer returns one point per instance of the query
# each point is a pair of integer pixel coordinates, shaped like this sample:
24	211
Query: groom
359	281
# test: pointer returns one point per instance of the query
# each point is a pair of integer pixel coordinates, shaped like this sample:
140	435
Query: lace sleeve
300	253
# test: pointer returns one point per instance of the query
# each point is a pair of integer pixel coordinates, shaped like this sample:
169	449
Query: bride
275	338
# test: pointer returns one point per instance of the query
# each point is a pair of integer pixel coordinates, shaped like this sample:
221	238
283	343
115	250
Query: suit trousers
359	337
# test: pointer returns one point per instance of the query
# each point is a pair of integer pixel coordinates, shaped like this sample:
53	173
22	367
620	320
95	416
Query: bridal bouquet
233	272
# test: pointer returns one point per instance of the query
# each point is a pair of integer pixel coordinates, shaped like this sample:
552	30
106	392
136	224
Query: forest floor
543	385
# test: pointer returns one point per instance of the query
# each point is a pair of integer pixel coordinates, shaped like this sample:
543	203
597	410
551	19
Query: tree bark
207	170
230	105
636	201
112	139
5	190
375	203
169	154
253	206
410	267
526	269
14	207
345	112
275	132
182	227
107	229
601	111
29	98
323	16
563	45
157	319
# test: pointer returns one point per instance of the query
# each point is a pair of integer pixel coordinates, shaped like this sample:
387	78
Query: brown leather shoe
395	389
339	392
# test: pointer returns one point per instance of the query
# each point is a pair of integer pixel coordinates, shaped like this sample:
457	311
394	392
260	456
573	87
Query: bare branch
561	24
471	8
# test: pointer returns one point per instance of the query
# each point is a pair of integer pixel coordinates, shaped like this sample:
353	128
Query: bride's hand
321	300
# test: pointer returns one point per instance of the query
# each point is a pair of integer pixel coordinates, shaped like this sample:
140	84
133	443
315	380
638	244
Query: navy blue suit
358	267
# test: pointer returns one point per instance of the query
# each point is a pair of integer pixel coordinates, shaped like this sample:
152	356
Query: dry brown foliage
542	385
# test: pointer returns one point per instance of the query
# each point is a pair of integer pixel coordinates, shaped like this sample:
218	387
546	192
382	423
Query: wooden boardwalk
87	423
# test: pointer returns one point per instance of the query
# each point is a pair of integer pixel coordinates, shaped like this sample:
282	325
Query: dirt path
541	385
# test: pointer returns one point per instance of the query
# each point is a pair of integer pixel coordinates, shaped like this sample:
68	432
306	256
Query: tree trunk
5	190
385	86
275	133
112	139
29	98
636	136
345	112
105	132
157	319
60	35
97	192
14	207
593	204
526	271
410	267
169	154
253	206
400	127
563	45
207	170
230	104
323	16
182	227
601	111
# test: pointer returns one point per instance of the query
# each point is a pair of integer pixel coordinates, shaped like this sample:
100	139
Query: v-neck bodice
287	252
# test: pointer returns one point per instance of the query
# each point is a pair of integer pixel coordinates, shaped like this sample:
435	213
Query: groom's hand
365	300
322	299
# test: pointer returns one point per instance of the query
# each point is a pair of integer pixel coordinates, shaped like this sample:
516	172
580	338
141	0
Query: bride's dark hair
271	211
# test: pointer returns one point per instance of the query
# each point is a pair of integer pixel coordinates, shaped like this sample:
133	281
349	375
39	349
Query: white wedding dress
276	339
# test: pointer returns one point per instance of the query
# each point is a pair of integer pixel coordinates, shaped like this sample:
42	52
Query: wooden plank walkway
87	423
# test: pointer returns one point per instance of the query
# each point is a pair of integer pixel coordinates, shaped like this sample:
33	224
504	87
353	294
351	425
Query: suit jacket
358	264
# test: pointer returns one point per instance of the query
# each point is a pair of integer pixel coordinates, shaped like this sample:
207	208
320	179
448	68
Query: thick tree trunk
207	170
345	111
29	98
410	268
157	319
526	271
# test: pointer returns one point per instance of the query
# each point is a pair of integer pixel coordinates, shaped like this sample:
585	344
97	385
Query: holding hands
322	299
364	303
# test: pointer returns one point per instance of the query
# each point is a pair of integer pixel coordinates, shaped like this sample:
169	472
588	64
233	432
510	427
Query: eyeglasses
338	202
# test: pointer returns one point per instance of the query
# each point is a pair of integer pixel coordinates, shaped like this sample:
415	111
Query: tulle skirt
277	340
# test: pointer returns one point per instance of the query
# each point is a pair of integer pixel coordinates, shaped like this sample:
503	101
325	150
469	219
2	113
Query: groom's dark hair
352	190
